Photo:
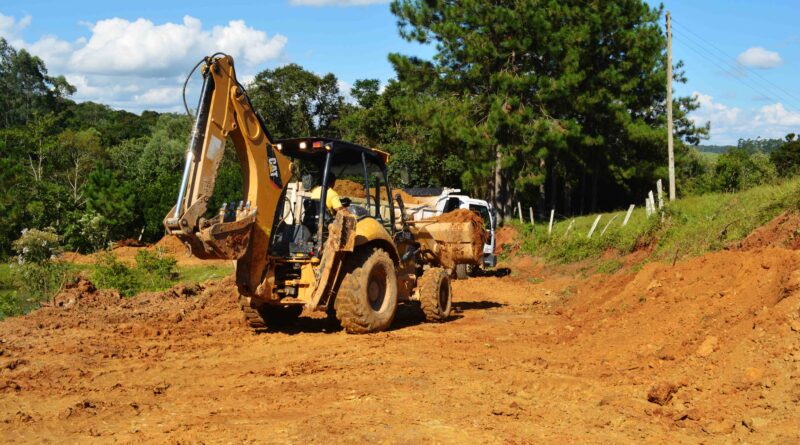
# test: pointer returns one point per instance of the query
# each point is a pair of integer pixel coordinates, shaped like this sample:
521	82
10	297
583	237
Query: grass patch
689	227
198	274
154	271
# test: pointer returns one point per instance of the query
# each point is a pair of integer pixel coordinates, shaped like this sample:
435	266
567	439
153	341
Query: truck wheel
260	316
435	296
367	298
462	271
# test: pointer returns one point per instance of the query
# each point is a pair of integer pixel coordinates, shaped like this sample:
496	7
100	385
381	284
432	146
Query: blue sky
741	56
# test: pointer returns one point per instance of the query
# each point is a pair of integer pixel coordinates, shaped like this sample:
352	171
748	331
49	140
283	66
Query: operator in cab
332	201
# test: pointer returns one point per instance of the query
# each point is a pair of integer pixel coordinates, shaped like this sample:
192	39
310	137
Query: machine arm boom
224	111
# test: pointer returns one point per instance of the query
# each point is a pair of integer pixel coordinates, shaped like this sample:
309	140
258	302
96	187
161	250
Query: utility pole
670	150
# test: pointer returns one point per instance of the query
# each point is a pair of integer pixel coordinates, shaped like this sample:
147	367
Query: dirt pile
507	240
783	231
81	291
130	242
352	189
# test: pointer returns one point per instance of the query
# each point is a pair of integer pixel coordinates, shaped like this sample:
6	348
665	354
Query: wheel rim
376	288
444	294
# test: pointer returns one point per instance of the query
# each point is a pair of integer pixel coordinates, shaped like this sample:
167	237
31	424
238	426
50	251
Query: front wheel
435	296
367	298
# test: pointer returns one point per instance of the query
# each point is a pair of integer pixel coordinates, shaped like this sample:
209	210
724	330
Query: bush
153	271
39	274
111	273
787	157
156	269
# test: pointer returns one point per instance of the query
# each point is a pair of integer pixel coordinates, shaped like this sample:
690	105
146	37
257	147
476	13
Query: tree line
555	104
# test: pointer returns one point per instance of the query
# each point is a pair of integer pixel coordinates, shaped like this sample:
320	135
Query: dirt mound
507	240
172	246
782	231
460	215
81	291
130	242
352	189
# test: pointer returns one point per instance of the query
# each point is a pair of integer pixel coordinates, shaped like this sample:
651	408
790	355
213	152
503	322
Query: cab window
484	212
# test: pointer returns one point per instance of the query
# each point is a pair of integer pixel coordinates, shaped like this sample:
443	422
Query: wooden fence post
571	223
608	224
530	211
519	209
660	195
628	215
594	226
550	228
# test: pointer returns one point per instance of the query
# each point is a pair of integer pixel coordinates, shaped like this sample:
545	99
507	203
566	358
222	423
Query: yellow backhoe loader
295	242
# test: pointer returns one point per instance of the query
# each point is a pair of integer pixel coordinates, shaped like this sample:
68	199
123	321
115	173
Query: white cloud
728	124
716	113
336	2
777	115
758	57
158	96
140	64
119	46
10	28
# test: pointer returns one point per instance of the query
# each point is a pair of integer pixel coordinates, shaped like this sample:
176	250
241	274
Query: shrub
111	273
39	274
155	268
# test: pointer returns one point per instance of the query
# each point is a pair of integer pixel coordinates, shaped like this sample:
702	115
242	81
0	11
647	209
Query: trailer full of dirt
451	238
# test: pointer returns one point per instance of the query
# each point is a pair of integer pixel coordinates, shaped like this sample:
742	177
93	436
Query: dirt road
706	351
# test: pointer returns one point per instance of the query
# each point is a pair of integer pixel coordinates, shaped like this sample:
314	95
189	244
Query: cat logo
274	171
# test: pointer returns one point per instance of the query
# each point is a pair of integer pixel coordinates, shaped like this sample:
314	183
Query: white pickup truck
434	201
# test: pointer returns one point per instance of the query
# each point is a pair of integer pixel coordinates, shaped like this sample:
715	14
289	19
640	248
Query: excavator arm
224	111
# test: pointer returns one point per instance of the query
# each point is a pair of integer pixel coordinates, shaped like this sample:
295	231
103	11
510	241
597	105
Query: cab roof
311	146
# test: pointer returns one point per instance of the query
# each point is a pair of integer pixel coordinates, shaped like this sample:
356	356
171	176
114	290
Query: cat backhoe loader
291	250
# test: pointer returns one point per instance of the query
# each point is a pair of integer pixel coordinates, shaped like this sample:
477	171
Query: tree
112	199
295	102
78	151
787	157
533	92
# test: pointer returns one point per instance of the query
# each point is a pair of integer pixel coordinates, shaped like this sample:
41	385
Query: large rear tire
260	316
367	298
462	271
435	294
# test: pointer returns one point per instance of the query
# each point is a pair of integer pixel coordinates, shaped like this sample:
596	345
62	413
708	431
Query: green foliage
787	157
155	268
296	102
528	113
37	246
112	199
690	226
38	274
153	271
111	273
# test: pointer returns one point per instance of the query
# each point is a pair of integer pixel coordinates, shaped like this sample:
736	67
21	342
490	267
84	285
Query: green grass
12	303
690	226
710	157
198	274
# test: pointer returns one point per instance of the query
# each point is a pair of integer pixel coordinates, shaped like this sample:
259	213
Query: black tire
462	272
435	294
367	298
260	316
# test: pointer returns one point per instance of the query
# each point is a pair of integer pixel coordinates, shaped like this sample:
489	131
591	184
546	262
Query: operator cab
355	179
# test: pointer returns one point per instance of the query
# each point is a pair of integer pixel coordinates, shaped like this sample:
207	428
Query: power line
698	49
741	68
